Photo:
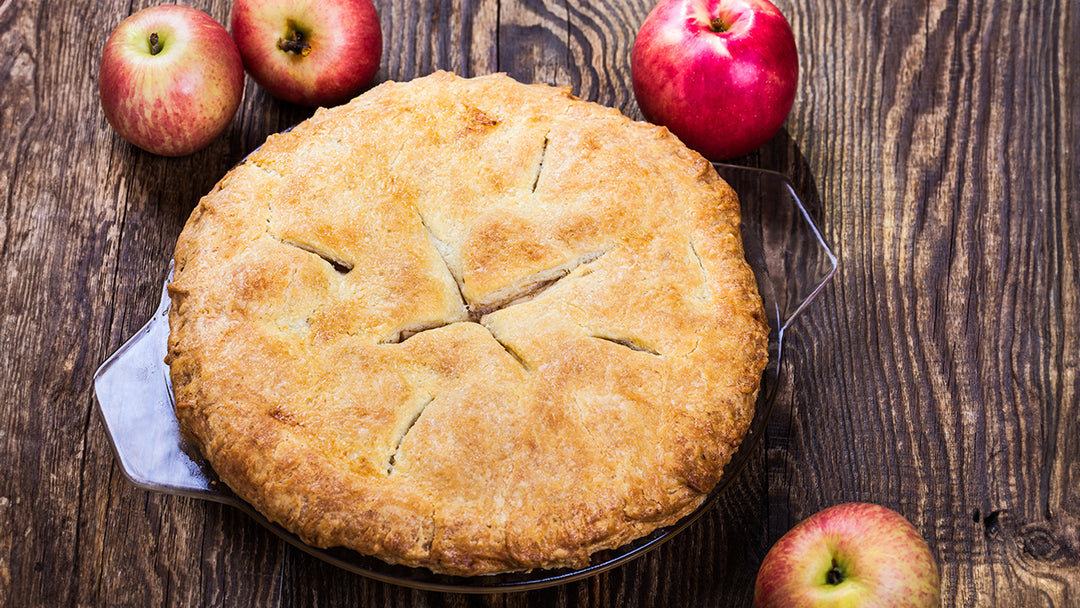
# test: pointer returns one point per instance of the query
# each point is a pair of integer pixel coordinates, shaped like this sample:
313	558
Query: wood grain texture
950	172
937	144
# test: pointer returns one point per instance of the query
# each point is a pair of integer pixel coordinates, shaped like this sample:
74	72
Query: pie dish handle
134	398
790	258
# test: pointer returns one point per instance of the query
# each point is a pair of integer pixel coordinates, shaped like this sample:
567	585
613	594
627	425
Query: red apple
170	79
310	52
720	74
854	554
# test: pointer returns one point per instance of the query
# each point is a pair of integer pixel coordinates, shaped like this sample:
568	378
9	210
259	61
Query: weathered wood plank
942	181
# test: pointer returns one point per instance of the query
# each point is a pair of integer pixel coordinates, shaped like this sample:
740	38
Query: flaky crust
470	325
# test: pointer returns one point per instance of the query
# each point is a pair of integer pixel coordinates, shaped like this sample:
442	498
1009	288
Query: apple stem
719	26
155	44
294	44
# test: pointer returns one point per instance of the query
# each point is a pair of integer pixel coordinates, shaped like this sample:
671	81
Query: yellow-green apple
850	555
309	52
170	79
720	74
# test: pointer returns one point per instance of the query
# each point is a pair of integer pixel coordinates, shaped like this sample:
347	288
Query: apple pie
470	325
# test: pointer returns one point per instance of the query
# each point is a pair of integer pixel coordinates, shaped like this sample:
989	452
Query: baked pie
470	325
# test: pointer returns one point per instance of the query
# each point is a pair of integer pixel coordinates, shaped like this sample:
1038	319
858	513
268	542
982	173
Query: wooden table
938	374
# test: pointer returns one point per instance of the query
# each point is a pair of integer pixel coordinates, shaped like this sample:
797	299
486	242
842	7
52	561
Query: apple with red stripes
170	79
854	554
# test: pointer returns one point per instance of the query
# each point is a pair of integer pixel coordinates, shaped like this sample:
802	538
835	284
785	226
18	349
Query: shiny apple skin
723	93
345	40
179	100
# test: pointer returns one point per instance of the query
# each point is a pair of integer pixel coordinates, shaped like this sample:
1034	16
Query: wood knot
1055	542
1040	545
1049	543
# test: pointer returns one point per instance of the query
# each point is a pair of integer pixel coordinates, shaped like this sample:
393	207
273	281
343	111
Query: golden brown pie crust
467	324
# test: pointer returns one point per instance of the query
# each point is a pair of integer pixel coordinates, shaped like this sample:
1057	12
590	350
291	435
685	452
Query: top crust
471	325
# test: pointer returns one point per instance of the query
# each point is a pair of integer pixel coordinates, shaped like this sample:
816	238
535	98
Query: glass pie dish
790	260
